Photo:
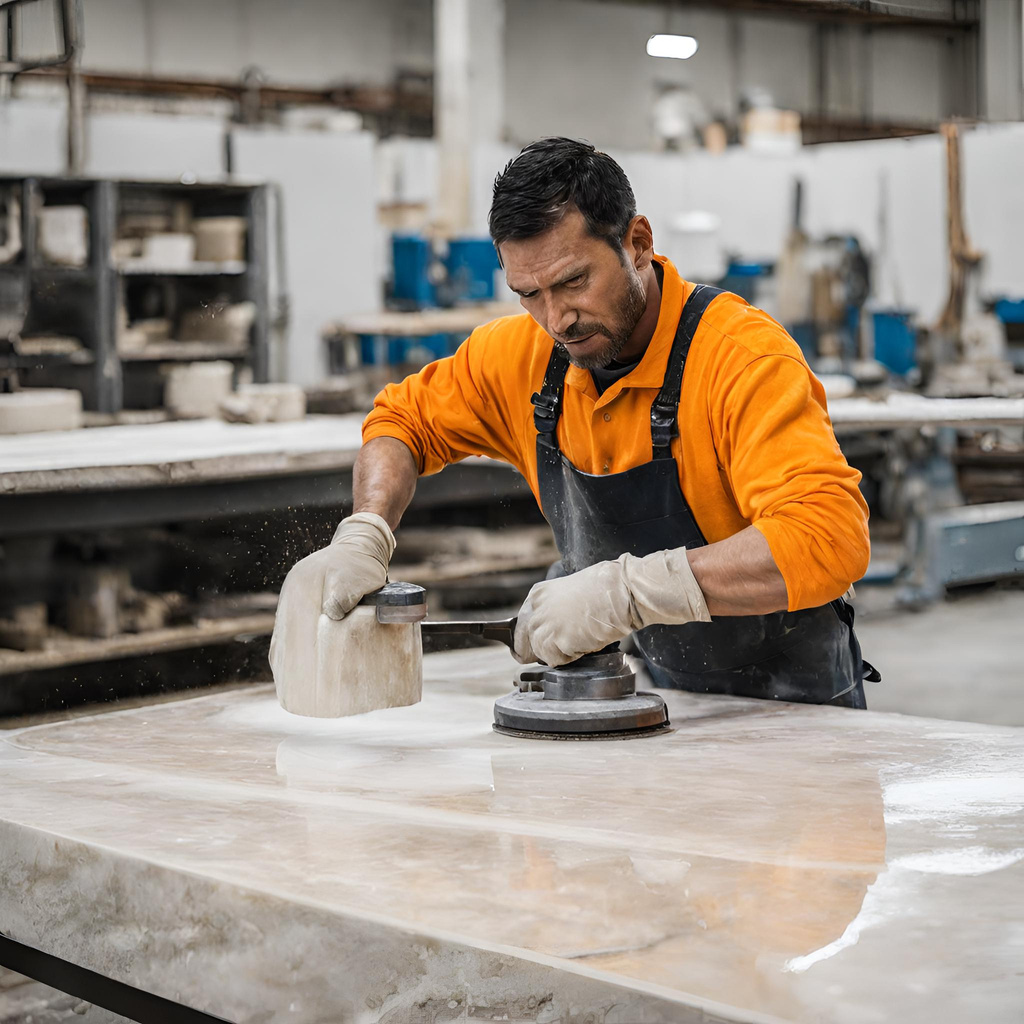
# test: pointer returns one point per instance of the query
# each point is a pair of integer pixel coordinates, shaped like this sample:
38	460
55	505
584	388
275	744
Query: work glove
563	619
331	581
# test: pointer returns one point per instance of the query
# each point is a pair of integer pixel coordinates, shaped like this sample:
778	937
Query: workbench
762	862
341	337
901	410
108	477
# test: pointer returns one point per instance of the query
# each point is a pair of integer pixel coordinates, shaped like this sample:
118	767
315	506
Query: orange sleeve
789	477
451	409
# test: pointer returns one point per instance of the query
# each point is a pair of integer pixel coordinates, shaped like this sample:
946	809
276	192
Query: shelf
28	361
174	351
54	270
58	270
87	301
72	650
139	267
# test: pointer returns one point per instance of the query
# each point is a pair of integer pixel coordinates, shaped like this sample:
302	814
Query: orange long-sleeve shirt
755	443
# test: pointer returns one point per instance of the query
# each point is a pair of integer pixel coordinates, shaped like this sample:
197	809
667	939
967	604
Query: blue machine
1011	312
471	264
742	277
412	257
895	340
377	350
423	279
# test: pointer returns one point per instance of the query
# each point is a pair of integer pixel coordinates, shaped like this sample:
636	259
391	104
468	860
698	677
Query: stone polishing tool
594	697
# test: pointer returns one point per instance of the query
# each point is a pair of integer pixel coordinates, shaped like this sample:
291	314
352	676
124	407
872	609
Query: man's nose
561	317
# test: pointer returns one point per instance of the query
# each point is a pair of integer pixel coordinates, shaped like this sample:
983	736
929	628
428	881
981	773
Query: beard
632	307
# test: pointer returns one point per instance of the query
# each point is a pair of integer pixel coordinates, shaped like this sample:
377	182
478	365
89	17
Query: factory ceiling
942	14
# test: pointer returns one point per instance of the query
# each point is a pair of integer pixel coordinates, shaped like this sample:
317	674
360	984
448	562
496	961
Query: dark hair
551	176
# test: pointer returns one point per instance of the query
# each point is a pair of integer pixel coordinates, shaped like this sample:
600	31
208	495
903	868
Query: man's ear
639	242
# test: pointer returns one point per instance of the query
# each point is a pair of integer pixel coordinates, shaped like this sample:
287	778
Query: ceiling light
680	47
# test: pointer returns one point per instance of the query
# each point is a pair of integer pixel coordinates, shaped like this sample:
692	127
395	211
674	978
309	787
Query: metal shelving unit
83	302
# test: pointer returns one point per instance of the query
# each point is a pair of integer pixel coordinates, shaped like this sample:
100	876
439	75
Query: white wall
32	136
575	67
312	42
153	146
580	68
327	181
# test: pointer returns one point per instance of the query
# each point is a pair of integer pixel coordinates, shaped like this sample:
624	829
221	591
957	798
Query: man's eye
527	295
575	282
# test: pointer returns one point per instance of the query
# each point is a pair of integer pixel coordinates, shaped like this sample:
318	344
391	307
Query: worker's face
587	296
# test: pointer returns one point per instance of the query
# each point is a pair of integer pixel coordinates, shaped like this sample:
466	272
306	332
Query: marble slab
761	862
187	451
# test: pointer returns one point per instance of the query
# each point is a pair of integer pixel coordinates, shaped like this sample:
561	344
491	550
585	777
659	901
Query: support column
1002	60
469	98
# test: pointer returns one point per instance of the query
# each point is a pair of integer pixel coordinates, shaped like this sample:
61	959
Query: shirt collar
650	372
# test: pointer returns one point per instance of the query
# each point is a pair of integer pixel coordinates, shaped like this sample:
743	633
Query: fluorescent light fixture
680	47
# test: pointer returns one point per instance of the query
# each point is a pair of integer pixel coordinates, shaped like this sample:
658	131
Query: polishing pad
592	698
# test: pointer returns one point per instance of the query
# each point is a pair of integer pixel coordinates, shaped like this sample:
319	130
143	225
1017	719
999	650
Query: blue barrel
895	340
411	256
472	263
1010	311
373	348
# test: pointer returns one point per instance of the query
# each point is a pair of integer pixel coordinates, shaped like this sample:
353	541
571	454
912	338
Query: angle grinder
594	697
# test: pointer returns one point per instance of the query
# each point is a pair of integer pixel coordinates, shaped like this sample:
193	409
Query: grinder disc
530	715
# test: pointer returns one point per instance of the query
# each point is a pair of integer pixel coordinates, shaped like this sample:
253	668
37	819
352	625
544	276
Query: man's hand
563	619
331	581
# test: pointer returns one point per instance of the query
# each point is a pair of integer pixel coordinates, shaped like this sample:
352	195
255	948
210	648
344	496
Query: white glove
356	562
563	619
331	581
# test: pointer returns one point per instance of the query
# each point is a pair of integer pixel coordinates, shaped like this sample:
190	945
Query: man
708	512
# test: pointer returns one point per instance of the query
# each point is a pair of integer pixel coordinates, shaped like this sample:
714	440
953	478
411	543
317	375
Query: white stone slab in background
761	862
175	452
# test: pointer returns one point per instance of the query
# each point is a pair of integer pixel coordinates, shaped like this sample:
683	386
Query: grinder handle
501	630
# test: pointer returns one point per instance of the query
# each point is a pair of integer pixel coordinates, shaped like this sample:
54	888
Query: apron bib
811	656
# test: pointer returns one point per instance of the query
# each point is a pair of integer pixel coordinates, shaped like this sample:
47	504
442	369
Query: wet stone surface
761	861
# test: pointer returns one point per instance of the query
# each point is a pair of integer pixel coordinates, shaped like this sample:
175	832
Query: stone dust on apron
811	656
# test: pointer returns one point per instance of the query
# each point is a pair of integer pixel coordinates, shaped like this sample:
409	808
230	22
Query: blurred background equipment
213	258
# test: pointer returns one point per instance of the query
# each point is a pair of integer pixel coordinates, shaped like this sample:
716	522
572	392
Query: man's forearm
739	576
384	479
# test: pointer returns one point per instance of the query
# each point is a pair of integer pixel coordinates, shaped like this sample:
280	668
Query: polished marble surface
760	862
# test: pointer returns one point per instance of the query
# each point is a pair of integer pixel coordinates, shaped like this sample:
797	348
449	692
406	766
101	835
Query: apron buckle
664	425
545	412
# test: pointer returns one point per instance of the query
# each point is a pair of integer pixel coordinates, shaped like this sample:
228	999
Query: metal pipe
70	16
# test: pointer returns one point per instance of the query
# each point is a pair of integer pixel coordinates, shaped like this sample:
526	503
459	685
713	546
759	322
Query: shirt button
607	417
604	469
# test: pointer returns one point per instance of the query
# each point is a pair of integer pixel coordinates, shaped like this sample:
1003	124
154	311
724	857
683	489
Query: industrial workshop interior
512	510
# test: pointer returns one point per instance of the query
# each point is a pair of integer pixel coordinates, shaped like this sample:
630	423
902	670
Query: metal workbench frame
116	996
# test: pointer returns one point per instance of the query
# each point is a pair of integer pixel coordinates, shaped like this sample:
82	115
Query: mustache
578	331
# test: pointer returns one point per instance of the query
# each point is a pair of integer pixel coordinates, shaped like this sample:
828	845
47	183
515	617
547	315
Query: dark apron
811	656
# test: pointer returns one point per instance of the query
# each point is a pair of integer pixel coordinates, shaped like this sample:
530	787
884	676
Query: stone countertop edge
403	965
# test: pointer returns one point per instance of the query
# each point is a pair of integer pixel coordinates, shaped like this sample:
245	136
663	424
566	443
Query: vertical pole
468	98
102	228
71	22
257	282
8	18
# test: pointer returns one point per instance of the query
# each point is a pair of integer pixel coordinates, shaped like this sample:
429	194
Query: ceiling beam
932	14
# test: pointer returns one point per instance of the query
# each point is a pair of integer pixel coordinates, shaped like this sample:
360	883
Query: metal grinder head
593	698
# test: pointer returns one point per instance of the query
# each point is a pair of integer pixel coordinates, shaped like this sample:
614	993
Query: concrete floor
962	659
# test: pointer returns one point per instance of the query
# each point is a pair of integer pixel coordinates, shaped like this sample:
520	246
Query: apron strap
547	403
665	410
